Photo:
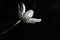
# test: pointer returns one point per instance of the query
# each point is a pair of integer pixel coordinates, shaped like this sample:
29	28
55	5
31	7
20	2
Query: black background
47	10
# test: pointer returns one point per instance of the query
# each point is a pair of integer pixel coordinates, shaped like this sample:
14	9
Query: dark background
47	10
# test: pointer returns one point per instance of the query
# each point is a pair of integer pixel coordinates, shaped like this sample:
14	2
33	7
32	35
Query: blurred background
47	10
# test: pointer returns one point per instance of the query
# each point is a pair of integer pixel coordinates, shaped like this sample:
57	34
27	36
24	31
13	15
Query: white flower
26	16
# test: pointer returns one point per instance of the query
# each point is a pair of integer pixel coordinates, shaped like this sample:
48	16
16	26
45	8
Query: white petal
35	20
24	9
21	9
29	13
